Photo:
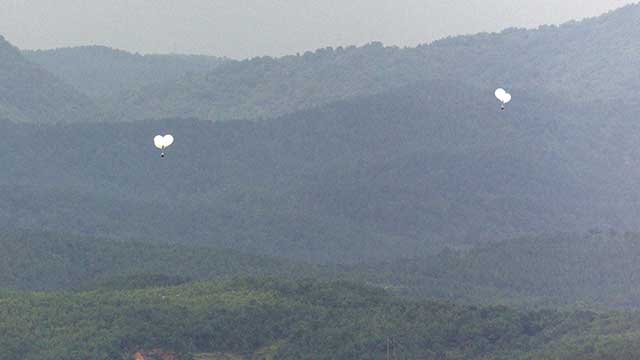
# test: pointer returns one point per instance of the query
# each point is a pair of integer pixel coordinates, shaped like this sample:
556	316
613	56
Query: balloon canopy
162	142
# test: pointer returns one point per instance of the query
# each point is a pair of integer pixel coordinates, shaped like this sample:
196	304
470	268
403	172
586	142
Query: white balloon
162	142
503	95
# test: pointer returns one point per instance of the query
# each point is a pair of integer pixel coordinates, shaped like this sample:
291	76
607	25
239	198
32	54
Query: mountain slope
30	94
102	72
566	61
45	261
387	176
598	270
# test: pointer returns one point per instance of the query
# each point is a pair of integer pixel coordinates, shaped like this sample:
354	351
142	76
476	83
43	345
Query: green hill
294	320
28	93
598	270
595	271
45	261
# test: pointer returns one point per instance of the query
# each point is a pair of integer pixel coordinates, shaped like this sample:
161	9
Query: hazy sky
244	28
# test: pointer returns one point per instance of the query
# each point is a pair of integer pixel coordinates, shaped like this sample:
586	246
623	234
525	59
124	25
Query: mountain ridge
30	94
101	72
561	60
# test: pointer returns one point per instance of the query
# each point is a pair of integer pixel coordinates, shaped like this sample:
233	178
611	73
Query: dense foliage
292	320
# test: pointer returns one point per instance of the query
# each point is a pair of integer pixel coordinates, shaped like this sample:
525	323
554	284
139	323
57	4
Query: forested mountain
295	320
385	166
404	172
101	72
380	177
563	61
46	261
597	270
594	271
30	94
593	60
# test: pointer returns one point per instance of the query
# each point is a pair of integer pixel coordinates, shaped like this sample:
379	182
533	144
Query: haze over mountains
389	167
397	167
358	180
565	61
101	72
28	93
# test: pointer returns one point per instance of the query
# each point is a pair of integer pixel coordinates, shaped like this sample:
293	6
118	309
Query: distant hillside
399	174
45	261
566	61
296	320
561	61
595	270
28	93
102	72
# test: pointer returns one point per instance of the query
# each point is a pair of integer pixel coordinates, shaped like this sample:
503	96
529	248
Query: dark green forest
294	320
